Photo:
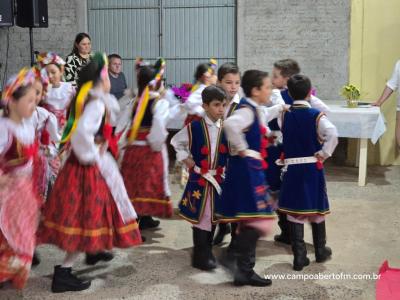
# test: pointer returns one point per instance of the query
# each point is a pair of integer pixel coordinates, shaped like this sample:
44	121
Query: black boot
35	259
298	246
322	253
147	222
246	259
284	237
64	281
92	259
223	229
210	244
201	251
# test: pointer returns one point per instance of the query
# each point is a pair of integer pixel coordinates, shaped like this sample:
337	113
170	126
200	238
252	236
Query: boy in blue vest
229	80
244	196
283	69
201	146
308	139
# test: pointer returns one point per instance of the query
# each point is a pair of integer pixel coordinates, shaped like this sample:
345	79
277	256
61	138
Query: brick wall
314	32
59	37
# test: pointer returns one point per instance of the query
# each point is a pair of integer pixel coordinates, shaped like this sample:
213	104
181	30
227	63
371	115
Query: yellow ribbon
141	109
80	101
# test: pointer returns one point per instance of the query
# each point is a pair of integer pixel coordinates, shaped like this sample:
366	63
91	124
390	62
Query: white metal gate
184	32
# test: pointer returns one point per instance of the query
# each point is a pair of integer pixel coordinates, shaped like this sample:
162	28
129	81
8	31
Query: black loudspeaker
32	13
6	13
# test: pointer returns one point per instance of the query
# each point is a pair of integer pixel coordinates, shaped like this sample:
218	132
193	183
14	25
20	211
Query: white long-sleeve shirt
242	118
193	104
326	131
180	141
40	118
60	97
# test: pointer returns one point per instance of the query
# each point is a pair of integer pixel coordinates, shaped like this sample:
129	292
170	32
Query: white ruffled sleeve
180	142
52	128
193	104
158	132
113	107
82	140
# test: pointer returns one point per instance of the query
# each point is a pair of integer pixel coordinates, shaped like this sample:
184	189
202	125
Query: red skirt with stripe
81	215
143	173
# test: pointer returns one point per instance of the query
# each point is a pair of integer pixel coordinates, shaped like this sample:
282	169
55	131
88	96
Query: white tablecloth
362	122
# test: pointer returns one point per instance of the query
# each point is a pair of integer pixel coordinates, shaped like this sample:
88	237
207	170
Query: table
363	123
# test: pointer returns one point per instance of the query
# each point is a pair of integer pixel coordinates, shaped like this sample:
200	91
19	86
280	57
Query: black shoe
143	238
147	222
284	236
223	229
252	279
298	246
64	281
92	259
322	253
35	259
202	255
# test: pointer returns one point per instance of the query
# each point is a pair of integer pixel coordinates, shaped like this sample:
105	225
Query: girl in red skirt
144	162
88	209
19	206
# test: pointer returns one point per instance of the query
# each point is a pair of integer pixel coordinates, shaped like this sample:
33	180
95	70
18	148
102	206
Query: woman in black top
78	58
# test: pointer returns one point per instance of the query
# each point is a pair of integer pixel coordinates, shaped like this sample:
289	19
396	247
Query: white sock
70	259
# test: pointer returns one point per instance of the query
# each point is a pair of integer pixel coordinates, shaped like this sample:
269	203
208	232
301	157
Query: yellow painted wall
374	50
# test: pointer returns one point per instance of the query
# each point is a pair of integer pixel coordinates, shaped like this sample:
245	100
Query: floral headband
23	78
47	58
41	74
213	66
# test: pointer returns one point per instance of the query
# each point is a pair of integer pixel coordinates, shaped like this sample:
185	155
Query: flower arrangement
182	92
352	95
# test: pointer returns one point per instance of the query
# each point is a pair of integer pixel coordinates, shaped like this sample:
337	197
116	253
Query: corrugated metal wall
184	32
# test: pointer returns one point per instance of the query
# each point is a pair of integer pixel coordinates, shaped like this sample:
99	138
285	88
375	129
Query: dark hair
147	73
21	91
114	55
299	86
252	79
18	94
227	68
79	37
288	67
212	93
200	70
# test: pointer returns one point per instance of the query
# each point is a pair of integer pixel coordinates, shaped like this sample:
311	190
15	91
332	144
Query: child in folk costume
144	164
60	93
308	139
46	130
229	80
201	146
204	76
88	209
244	196
19	205
282	71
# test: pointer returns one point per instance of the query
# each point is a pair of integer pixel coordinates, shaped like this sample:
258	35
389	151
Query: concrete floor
363	231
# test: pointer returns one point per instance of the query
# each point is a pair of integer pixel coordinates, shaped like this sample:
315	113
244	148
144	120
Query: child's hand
285	107
242	153
376	103
189	162
319	157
